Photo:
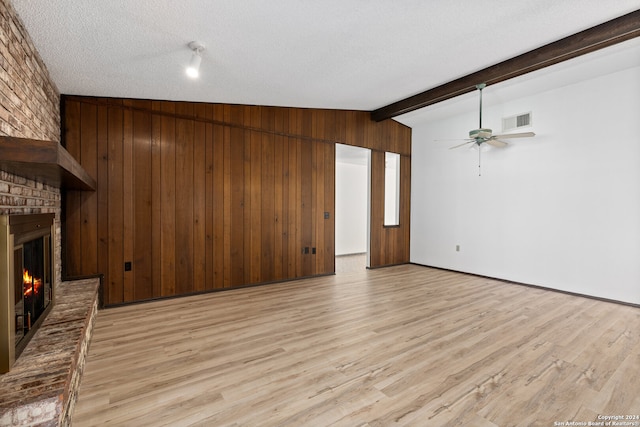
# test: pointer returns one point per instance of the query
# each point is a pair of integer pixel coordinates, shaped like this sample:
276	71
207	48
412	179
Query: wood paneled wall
209	196
389	245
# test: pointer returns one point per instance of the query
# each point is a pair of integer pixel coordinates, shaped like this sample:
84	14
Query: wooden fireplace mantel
43	161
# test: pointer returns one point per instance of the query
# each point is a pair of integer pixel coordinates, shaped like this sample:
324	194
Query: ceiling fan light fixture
193	70
480	146
480	133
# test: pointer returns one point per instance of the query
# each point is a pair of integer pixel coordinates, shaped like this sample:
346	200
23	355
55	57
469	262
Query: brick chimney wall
30	108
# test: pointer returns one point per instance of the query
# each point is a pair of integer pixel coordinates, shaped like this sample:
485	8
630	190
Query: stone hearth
42	386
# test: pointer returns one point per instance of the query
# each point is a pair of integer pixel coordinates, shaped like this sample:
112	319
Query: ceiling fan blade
462	145
516	135
496	142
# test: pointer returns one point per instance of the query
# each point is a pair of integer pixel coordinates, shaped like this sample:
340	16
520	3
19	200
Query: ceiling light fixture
193	70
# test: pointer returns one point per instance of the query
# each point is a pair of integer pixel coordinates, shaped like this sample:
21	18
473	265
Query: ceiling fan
485	135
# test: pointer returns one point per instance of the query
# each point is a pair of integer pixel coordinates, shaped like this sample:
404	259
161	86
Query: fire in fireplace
33	286
28	278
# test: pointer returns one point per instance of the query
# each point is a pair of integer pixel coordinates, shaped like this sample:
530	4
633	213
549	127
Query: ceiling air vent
516	122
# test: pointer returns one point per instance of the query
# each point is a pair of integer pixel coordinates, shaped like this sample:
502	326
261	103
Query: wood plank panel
278	196
72	232
296	201
168	200
268	161
115	137
292	207
199	198
254	219
329	132
89	199
267	208
250	118
329	207
156	201
287	255
128	185
104	255
227	205
318	171
279	211
377	229
306	196
142	203
368	132
220	208
209	202
184	214
236	201
340	123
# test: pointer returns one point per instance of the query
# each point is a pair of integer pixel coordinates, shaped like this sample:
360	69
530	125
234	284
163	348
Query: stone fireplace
34	169
45	322
26	284
33	174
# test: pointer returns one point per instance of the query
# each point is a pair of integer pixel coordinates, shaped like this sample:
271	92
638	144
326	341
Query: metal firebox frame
27	226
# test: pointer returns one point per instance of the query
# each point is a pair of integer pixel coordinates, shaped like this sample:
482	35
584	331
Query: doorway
353	172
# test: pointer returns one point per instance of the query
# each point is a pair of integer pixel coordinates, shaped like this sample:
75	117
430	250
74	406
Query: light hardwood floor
404	345
351	263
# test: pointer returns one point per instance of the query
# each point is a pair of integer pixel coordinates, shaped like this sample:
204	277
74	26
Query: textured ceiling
348	54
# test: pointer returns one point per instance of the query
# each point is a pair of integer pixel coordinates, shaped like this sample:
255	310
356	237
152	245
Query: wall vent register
516	122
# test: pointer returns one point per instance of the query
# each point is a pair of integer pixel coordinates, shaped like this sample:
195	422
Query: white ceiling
346	54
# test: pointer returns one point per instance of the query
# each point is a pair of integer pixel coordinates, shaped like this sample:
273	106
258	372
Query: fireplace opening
33	286
27	281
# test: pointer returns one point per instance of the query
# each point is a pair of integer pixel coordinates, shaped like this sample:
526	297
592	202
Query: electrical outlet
457	248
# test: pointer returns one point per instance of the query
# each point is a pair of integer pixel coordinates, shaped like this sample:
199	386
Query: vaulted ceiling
346	54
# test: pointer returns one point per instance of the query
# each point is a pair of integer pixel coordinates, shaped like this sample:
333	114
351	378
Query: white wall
351	208
561	210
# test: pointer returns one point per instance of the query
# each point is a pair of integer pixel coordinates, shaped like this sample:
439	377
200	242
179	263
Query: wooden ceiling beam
607	34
